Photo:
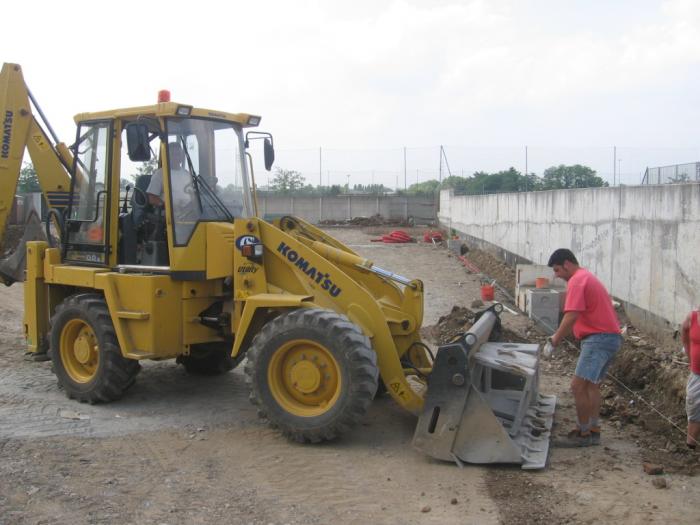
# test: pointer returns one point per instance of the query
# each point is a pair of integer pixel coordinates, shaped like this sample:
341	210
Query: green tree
428	187
576	176
28	182
371	188
506	181
287	181
459	184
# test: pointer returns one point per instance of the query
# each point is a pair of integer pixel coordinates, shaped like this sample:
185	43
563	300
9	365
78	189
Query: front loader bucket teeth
483	403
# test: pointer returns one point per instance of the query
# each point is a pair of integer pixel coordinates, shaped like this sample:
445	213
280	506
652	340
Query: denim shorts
597	352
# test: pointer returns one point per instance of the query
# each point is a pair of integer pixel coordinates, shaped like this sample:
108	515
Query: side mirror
269	154
137	142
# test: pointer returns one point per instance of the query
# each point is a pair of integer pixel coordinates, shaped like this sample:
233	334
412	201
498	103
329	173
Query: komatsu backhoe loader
178	264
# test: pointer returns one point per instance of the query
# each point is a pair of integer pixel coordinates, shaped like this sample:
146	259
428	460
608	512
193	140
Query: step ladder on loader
483	403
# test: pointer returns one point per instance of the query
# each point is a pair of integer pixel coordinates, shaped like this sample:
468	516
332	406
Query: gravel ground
179	449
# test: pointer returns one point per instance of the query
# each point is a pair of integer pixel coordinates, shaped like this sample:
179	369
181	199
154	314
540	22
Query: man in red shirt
690	334
589	313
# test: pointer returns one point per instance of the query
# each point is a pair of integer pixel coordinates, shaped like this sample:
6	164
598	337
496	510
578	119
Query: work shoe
575	439
595	436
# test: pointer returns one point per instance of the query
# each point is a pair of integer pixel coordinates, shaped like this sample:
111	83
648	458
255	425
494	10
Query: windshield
208	176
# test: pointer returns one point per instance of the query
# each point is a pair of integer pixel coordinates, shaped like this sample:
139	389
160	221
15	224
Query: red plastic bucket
487	292
541	282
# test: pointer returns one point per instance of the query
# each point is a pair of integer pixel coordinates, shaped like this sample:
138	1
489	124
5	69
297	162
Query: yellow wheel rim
79	351
304	378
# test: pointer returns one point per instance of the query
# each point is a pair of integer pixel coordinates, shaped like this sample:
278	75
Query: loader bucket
12	267
483	403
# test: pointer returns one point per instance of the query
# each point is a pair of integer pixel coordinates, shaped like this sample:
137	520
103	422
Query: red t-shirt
694	343
586	295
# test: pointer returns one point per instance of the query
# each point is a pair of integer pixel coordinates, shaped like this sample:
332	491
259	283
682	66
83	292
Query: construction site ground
179	449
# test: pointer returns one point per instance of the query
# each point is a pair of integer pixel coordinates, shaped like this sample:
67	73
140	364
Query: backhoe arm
20	130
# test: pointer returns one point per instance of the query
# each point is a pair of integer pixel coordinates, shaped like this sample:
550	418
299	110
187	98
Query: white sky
363	79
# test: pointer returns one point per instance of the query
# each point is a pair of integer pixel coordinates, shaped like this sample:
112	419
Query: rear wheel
85	353
312	374
210	359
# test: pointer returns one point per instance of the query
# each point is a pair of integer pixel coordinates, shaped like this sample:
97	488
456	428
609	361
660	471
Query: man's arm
154	200
565	327
685	335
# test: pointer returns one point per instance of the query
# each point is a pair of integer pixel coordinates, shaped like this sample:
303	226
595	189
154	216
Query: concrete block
544	306
521	296
543	299
549	323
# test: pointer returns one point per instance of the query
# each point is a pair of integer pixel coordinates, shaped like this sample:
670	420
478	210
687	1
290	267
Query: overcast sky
364	79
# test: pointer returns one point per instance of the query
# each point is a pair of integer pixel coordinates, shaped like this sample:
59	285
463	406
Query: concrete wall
643	242
345	207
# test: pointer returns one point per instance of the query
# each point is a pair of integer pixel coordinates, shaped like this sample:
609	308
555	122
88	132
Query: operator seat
131	223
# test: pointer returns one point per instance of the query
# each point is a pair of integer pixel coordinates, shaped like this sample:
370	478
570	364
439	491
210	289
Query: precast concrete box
544	306
526	276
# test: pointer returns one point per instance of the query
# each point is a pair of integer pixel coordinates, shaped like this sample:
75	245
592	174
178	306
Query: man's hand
565	327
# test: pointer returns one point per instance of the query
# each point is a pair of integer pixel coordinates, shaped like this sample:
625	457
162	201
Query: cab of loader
144	184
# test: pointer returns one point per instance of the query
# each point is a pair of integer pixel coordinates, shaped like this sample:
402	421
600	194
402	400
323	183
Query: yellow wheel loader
153	249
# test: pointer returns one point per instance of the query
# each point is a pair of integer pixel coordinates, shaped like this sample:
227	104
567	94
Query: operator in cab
180	179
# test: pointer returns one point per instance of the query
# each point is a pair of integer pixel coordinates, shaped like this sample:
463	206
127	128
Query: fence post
349	207
320	209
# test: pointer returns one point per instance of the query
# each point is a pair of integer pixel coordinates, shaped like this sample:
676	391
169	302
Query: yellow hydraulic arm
20	129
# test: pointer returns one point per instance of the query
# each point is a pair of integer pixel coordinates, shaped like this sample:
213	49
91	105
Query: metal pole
405	183
525	168
614	163
440	171
526	161
320	167
619	171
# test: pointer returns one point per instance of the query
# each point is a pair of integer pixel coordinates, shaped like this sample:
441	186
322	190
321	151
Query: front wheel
312	374
85	352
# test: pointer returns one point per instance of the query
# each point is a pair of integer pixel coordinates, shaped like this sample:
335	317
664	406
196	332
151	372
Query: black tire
210	359
340	353
103	375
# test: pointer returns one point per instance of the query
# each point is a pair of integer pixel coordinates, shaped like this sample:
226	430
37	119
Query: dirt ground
182	449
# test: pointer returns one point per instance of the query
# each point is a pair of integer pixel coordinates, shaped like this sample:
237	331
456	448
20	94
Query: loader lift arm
21	130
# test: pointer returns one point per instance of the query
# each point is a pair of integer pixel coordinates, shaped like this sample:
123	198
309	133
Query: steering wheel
139	199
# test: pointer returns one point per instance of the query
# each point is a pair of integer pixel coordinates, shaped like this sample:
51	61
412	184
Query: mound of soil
374	220
493	268
13	234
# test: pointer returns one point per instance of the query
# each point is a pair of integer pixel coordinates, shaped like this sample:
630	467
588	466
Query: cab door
87	222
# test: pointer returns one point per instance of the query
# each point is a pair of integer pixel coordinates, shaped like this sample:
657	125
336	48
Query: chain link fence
399	168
